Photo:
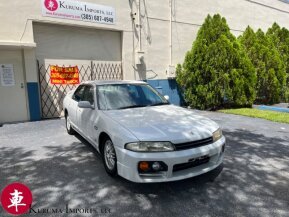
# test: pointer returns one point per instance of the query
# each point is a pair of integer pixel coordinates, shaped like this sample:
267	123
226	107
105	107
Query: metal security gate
52	95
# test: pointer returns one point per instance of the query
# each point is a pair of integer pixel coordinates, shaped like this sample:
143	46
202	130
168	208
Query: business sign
64	75
16	198
7	75
77	10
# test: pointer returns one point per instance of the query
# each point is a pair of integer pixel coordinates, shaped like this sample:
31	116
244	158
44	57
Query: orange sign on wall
64	75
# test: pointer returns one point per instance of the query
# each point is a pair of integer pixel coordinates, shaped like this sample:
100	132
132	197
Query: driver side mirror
167	97
85	104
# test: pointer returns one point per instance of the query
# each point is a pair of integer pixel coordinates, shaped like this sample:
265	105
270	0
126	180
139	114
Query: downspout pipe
170	29
139	25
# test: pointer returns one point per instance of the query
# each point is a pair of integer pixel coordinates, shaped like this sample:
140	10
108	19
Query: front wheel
69	128
109	158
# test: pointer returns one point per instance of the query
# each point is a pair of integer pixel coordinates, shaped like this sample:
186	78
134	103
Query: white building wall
17	18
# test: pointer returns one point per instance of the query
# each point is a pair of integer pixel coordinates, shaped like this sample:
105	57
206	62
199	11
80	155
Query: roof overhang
16	44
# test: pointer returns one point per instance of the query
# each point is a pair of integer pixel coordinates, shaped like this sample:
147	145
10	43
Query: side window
78	94
88	94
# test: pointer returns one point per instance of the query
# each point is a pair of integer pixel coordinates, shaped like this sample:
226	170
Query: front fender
118	133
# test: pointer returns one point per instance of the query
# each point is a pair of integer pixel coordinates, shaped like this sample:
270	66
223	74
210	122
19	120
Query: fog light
156	166
144	166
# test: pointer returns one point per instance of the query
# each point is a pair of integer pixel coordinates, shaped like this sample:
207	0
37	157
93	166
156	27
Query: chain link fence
52	95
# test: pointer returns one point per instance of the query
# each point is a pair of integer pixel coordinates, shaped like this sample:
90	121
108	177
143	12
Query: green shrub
270	69
280	39
216	71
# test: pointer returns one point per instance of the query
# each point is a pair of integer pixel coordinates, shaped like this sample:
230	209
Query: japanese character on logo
16	199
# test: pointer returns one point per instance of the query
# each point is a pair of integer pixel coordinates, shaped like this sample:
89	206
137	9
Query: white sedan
140	135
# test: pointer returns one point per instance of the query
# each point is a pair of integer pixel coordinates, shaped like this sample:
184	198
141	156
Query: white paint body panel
164	123
159	123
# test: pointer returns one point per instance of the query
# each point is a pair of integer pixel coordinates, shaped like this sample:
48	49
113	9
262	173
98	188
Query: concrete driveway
62	169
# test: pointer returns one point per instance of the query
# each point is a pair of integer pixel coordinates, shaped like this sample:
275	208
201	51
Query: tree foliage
270	69
216	71
280	39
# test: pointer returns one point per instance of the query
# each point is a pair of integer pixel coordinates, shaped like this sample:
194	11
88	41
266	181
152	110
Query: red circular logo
16	198
51	5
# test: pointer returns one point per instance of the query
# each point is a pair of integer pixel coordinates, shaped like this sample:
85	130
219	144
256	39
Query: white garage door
96	53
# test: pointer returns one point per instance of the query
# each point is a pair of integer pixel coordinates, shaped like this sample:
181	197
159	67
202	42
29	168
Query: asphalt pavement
64	171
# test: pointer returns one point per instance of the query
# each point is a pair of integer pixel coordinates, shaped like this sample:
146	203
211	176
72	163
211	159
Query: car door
87	117
73	105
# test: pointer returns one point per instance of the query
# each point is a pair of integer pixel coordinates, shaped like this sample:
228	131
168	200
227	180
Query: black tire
68	126
109	157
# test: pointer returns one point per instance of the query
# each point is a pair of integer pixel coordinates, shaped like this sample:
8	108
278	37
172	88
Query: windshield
123	96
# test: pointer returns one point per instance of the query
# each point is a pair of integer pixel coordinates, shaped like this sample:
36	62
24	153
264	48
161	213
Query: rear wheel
69	128
109	157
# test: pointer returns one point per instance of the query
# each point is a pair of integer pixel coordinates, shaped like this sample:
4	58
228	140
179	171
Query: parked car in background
140	135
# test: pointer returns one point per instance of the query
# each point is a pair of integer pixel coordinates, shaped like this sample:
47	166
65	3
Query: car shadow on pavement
253	182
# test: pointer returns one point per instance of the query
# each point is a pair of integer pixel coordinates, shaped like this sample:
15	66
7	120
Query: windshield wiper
160	103
132	106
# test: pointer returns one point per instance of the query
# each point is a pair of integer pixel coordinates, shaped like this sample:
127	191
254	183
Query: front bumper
128	162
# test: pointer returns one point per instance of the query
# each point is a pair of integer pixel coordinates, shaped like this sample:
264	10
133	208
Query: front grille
194	144
195	162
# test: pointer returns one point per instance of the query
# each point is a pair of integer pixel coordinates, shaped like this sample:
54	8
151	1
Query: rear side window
78	94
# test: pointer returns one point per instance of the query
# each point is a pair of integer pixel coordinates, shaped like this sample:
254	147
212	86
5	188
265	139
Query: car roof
102	82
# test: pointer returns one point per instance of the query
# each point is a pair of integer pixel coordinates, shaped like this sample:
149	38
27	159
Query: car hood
164	123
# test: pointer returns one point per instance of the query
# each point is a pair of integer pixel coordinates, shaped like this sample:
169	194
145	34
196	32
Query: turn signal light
144	166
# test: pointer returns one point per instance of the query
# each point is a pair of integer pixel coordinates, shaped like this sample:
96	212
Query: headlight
217	135
150	146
